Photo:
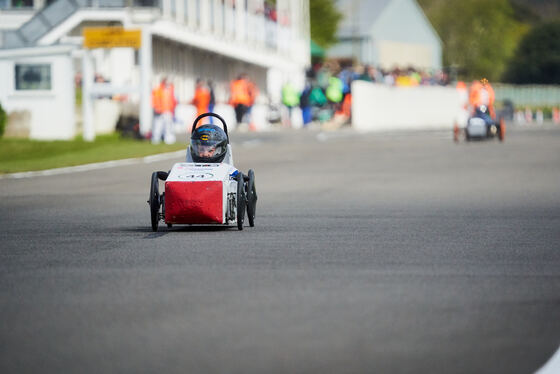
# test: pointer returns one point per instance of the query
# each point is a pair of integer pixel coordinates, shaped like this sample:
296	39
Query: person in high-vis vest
290	99
201	99
240	97
163	103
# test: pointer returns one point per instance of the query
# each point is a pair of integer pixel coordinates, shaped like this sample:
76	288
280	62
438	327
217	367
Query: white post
145	81
240	20
261	30
191	13
251	21
180	11
218	17
281	11
166	8
87	99
229	17
204	15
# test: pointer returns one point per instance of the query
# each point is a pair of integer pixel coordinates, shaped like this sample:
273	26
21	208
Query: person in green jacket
290	98
334	90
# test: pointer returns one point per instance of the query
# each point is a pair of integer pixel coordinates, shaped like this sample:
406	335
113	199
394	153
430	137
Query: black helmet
208	144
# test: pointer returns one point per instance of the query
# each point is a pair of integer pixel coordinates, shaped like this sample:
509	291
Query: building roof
359	16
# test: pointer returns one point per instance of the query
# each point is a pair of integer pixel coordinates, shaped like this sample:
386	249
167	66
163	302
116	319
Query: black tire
502	130
241	201
251	198
154	201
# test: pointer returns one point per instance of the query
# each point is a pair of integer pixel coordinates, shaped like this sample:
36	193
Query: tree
537	60
479	36
325	18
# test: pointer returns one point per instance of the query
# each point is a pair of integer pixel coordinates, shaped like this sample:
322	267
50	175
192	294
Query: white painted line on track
95	166
552	366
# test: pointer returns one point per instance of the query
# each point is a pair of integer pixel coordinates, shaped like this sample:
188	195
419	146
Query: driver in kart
209	144
482	93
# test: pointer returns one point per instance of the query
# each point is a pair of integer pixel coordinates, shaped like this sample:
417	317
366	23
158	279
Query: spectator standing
334	92
305	104
253	94
240	97
318	102
362	73
290	99
212	103
202	97
163	103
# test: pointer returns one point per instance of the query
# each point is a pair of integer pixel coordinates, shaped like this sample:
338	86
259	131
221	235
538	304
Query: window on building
14	4
21	3
33	76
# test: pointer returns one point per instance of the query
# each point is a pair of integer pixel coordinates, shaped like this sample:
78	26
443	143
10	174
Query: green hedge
3	120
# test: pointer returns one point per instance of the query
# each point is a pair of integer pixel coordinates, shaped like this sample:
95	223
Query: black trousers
240	111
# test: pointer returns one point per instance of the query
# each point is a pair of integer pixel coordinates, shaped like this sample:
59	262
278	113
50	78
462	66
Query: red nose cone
193	202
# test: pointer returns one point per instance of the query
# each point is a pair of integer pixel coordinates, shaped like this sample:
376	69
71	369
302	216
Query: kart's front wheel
154	201
251	198
241	201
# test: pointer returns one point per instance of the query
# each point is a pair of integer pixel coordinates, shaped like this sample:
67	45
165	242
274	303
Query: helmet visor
207	149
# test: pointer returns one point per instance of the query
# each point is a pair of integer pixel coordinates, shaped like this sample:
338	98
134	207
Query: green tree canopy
537	60
325	18
479	36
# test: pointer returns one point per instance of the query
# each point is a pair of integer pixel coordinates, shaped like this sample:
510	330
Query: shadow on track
165	230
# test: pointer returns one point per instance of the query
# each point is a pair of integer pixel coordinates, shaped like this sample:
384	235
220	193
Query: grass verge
18	155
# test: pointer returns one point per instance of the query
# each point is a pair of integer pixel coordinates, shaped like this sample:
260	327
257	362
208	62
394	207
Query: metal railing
534	95
52	15
253	30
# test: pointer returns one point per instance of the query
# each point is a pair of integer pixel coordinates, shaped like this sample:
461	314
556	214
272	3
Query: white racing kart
481	126
203	193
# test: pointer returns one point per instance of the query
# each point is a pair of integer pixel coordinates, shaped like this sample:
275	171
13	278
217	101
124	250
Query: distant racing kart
199	193
481	126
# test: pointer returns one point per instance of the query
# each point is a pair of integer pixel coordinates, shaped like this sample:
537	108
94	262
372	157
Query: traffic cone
556	115
528	115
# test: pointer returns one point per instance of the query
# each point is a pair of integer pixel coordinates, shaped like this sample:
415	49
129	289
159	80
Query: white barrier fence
380	107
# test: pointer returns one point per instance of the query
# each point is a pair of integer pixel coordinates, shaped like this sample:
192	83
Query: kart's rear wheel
502	130
251	198
154	201
241	201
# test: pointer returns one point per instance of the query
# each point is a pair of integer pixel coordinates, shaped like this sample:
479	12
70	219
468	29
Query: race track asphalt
380	253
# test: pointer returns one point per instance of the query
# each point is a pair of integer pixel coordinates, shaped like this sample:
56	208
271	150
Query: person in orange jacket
241	97
201	99
163	103
482	93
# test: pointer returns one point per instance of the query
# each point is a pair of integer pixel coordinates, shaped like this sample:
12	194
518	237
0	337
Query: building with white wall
388	34
181	39
38	88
